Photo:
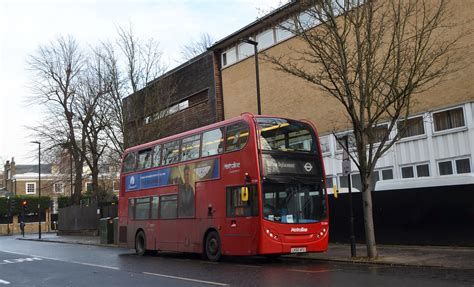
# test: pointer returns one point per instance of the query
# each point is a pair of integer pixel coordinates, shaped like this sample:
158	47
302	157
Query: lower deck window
168	206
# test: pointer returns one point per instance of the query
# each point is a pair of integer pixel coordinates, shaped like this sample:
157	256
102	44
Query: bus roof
243	116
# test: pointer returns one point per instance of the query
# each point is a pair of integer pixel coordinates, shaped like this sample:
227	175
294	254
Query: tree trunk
95	184
76	196
368	217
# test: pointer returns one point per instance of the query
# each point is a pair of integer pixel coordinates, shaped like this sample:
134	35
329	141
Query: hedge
14	204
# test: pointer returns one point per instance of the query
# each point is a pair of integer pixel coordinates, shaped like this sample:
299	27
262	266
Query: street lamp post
347	171
39	187
257	77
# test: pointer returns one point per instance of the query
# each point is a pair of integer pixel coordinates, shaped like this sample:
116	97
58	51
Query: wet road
29	263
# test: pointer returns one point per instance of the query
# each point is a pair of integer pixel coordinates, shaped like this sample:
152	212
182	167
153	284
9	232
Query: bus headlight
271	233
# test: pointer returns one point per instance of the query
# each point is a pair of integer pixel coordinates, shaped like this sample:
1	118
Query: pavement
393	255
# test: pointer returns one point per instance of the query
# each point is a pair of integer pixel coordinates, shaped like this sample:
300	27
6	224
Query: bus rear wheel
213	246
140	243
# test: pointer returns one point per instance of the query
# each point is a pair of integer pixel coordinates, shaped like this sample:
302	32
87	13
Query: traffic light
24	203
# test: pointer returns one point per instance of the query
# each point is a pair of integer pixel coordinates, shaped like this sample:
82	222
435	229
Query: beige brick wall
289	96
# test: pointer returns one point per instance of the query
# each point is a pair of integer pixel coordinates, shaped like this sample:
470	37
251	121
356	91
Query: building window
230	57
445	167
463	166
329	182
454	166
30	188
324	141
356	181
307	20
341	141
411	127
379	133
285	30
245	50
58	188
89	186
387	174
422	170
265	39
407	172
449	119
224	59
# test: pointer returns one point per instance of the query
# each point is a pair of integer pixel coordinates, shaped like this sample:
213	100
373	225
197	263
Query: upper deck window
129	163
144	158
190	147
157	155
286	135
236	136
213	142
171	152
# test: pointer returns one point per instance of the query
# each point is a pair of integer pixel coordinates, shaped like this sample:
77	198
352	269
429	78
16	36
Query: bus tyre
213	246
140	243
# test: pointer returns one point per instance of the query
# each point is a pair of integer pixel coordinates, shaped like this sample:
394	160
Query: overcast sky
24	25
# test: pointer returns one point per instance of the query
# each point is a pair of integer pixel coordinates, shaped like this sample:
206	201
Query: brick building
184	98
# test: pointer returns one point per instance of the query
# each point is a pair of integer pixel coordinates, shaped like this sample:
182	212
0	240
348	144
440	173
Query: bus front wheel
213	246
140	243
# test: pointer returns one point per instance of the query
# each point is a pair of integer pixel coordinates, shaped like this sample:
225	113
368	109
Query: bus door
168	227
242	221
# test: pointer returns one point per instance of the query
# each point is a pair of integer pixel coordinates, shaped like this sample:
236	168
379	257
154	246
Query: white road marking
19	260
186	279
36	257
95	265
4	282
116	268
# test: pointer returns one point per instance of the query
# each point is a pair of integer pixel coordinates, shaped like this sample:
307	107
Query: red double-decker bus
245	186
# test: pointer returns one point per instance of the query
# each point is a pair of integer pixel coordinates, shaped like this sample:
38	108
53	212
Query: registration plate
298	249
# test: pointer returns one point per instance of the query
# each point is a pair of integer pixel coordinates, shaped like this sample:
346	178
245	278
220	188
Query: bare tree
372	56
91	109
195	48
143	59
142	64
56	68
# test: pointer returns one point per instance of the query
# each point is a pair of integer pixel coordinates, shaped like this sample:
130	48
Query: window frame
448	130
402	138
60	184
34	187
454	166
